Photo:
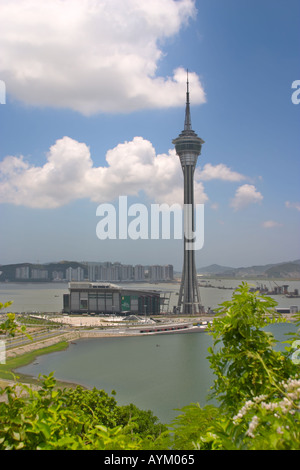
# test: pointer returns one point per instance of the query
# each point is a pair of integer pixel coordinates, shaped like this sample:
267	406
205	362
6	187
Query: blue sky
95	93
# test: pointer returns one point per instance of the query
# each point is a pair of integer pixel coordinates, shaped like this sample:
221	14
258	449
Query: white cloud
293	205
245	195
271	224
220	171
93	55
69	174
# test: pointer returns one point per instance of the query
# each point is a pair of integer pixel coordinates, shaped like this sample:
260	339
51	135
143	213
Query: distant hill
25	272
284	270
214	269
281	270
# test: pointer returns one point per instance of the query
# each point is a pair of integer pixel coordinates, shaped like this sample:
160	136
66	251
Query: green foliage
141	422
58	419
246	364
9	326
190	427
96	405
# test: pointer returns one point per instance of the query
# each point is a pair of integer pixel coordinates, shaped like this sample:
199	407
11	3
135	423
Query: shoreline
95	333
9	376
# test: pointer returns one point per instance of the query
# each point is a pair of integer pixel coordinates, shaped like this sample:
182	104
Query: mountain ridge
288	269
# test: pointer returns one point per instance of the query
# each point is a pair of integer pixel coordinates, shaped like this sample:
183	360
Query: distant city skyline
80	271
93	102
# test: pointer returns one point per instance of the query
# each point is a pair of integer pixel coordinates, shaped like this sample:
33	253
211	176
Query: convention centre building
106	298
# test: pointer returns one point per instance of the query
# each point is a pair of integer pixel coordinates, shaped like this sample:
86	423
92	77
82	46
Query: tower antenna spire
187	80
188	120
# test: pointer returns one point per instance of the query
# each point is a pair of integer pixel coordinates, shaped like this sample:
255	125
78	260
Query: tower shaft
188	148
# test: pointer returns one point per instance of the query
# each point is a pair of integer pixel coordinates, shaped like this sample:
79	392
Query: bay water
48	297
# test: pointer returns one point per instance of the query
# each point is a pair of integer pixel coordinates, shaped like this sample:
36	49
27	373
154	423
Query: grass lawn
7	369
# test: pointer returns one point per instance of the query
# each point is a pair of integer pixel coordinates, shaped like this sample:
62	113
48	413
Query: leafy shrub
54	418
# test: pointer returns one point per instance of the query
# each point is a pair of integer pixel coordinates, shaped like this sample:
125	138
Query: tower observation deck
188	147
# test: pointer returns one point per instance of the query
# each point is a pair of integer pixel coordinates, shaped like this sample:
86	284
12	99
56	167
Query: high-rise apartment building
117	272
22	272
74	274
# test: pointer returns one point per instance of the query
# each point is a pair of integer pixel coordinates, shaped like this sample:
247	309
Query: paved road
22	340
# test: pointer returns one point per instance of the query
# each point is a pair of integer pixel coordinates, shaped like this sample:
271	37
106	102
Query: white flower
252	426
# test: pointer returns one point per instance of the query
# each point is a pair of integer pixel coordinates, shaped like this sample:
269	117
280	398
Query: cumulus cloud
93	55
220	171
293	205
245	195
69	174
271	224
131	168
